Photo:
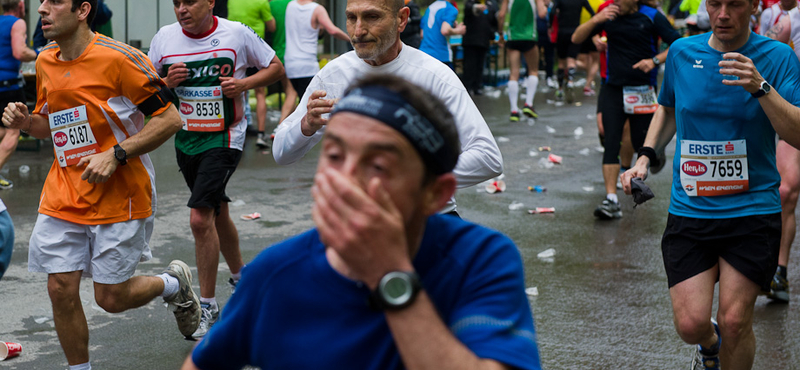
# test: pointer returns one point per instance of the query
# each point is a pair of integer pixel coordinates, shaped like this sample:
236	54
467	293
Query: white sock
83	366
238	275
533	84
210	301
171	285
612	197
513	94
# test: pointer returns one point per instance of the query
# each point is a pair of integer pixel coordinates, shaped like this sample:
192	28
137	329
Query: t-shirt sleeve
155	55
139	81
259	53
664	29
789	83
667	95
492	316
451	14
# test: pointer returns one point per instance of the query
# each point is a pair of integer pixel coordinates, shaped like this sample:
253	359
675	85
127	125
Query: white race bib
712	168
72	135
201	108
639	99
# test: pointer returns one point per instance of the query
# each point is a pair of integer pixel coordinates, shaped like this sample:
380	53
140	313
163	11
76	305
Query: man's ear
83	12
438	193
402	17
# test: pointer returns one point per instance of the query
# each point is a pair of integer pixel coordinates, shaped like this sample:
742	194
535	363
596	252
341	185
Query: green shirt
253	13
522	22
279	37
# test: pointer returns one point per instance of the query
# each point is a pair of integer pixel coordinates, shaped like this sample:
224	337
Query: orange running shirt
91	105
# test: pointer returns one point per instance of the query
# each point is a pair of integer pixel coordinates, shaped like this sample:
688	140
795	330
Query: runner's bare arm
781	31
15	115
662	129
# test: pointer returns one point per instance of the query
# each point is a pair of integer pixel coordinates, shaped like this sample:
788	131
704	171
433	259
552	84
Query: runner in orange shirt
97	204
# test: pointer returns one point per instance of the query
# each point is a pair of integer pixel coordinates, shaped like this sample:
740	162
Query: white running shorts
106	253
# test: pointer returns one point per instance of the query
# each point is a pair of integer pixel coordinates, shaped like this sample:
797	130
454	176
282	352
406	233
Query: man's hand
478	8
232	87
458	29
638	170
735	64
645	65
16	116
315	108
608	14
99	167
364	228
176	74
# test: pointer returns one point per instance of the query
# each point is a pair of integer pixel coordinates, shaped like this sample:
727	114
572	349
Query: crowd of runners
409	282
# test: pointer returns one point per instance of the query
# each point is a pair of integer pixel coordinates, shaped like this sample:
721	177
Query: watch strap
762	90
377	302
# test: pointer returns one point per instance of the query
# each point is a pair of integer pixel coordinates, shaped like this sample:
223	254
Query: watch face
396	289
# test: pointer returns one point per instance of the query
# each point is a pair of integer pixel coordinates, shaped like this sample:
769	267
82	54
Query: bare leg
228	239
788	162
291	99
626	149
691	306
206	241
737	297
261	108
68	316
136	292
8	144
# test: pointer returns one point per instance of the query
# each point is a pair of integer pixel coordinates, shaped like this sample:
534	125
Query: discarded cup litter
551	130
24	169
584	151
532	291
588	189
578	132
503	139
496	187
537	188
544	163
555	158
515	206
549	253
9	350
237	203
538	210
250	217
544	148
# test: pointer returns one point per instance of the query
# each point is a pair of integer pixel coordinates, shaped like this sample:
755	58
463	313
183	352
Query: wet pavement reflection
602	300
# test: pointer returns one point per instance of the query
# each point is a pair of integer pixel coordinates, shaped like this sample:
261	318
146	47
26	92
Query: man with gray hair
374	28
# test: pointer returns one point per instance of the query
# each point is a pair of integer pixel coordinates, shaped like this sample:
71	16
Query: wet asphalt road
602	300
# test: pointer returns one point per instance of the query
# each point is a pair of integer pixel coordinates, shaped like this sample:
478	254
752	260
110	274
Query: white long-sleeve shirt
480	157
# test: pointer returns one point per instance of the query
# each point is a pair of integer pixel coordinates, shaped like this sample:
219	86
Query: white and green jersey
210	119
522	20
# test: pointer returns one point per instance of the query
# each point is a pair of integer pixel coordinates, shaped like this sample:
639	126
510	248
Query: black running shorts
207	174
750	244
522	45
565	48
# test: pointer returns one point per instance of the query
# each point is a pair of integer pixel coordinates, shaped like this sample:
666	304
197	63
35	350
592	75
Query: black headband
390	108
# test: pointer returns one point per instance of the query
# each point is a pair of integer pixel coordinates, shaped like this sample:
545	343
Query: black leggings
610	104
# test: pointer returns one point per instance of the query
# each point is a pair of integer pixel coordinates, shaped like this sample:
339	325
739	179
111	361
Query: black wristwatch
763	90
656	60
396	290
121	155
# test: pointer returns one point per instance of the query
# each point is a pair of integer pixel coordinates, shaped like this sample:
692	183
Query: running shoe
208	316
551	81
779	289
260	142
529	111
5	183
514	116
232	284
588	91
184	304
705	359
608	210
560	94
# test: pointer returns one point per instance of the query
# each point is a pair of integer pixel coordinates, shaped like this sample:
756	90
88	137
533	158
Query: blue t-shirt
433	42
291	310
707	110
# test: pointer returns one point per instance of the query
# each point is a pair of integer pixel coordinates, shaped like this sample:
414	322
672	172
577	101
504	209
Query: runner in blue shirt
726	94
438	24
